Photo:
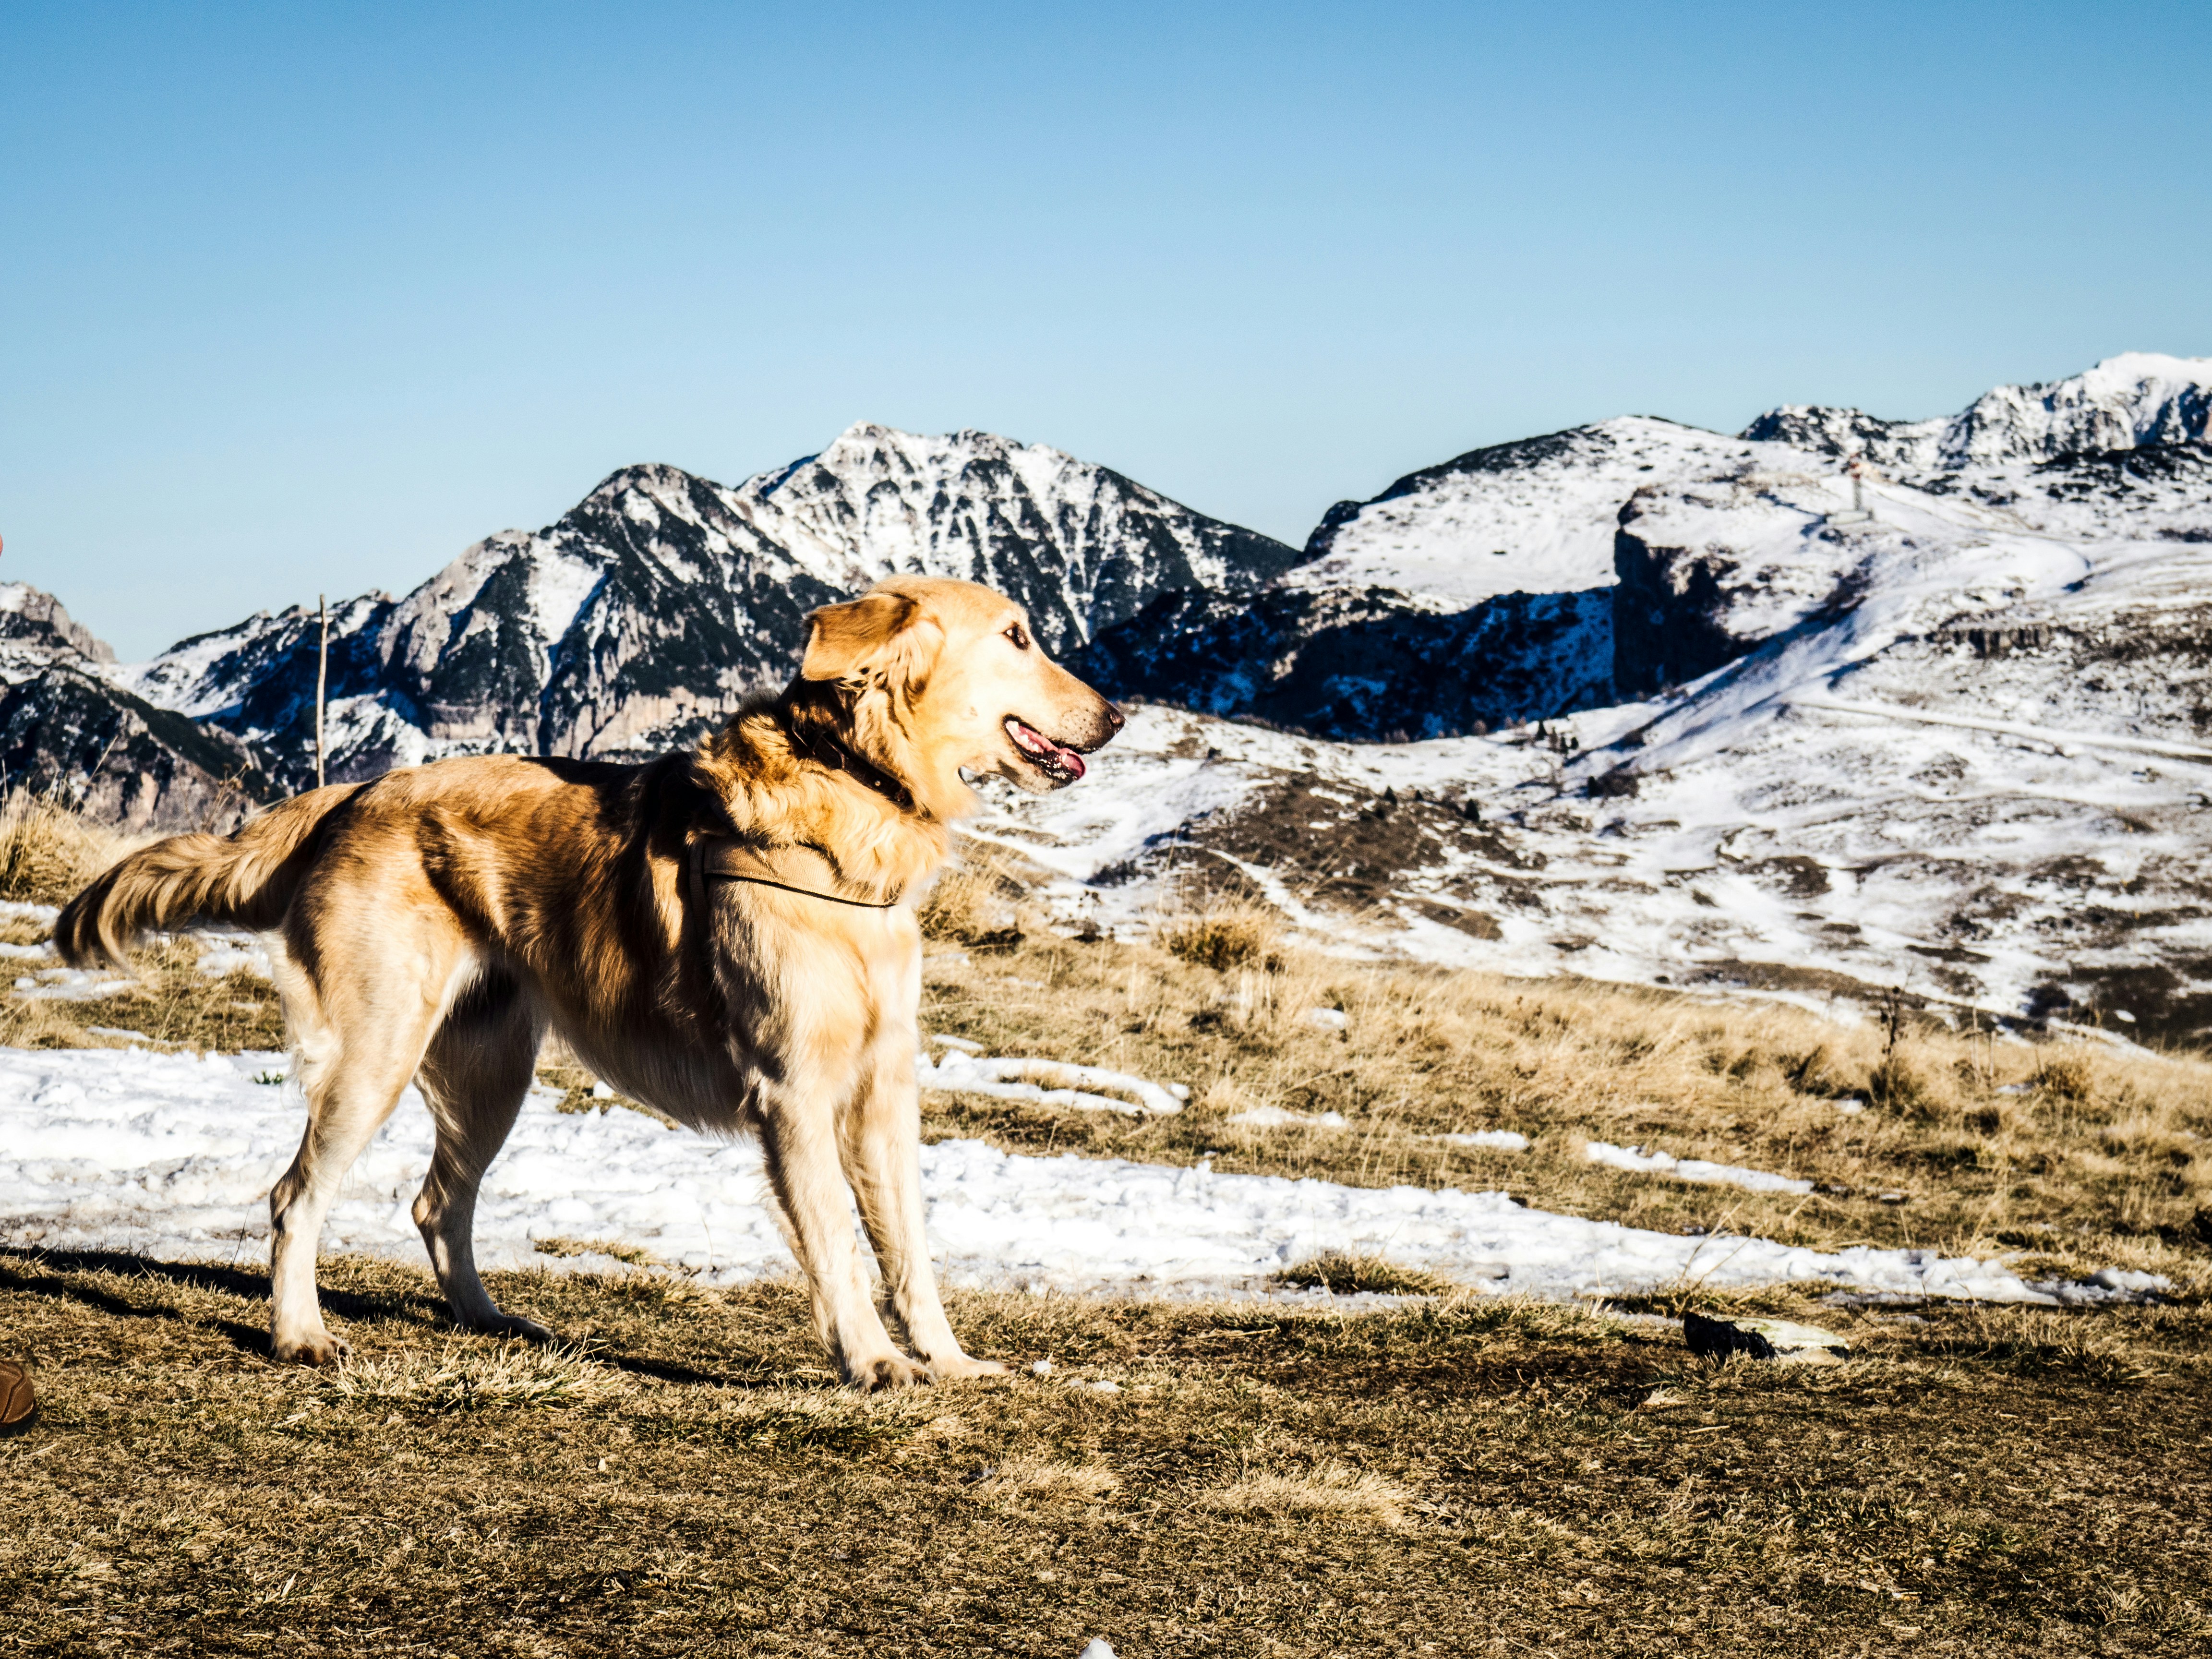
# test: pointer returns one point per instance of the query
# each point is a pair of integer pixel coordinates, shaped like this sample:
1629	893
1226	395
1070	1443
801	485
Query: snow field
173	1155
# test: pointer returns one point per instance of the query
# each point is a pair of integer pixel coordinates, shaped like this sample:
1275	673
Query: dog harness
788	869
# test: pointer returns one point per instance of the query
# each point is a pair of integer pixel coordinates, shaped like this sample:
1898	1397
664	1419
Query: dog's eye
1019	636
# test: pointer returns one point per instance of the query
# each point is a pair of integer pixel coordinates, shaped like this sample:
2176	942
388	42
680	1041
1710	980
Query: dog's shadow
69	1276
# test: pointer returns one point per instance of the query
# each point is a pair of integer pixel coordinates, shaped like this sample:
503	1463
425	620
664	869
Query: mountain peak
2130	401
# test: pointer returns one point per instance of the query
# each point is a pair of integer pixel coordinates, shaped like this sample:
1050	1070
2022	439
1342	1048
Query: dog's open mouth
1055	761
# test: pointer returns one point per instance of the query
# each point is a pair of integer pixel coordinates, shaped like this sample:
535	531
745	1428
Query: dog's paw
961	1366
891	1371
511	1325
310	1348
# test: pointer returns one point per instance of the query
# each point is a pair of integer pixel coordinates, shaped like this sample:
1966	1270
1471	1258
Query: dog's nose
1115	717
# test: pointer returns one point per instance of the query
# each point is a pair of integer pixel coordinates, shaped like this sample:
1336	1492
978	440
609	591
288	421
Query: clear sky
301	297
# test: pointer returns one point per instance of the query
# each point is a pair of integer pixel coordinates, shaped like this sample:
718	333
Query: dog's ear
876	635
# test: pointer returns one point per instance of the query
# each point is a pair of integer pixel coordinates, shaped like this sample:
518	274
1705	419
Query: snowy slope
1468	595
1531	517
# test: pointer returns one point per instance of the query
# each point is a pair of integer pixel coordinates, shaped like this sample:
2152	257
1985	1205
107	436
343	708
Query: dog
726	934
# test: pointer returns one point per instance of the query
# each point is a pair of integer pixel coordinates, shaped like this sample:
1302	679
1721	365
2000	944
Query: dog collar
842	757
801	870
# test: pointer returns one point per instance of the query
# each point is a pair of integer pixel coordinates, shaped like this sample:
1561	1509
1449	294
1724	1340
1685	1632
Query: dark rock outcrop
115	756
1367	665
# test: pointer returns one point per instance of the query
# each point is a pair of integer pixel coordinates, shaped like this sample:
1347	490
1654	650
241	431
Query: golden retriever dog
727	934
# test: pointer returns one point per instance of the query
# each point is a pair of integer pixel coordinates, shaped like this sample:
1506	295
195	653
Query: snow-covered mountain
1959	742
1080	545
1467	595
651	608
1416	611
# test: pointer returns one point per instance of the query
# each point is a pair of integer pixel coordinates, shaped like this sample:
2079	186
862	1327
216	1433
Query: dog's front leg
881	1140
799	1134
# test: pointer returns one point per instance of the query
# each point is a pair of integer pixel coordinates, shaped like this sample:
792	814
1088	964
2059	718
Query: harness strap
717	857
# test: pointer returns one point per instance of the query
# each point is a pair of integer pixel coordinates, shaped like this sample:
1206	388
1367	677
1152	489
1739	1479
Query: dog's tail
245	879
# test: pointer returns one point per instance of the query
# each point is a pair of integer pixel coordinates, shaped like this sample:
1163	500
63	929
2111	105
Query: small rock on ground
1778	1339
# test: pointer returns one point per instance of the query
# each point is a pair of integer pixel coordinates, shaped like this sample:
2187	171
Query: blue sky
302	298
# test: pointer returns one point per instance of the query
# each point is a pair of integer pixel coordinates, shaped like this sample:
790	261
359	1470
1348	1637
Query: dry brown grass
565	1248
1351	1275
465	1377
47	851
1030	1478
173	1004
1326	1489
1454	1477
977	901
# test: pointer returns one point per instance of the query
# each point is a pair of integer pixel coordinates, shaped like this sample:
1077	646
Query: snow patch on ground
173	1155
1047	1082
1635	1159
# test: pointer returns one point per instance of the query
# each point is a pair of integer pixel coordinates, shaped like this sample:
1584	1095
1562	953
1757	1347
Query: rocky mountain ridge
1523	581
652	609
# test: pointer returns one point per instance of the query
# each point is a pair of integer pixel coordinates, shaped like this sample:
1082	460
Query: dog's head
924	677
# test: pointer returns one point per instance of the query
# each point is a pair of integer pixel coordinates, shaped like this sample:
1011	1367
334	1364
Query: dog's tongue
1037	743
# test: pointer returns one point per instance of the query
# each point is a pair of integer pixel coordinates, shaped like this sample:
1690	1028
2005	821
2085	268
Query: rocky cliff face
650	610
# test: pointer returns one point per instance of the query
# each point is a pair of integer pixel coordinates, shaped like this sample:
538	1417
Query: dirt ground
1460	1476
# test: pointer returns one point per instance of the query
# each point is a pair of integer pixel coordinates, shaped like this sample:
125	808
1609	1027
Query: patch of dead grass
461	1378
561	1246
47	851
1224	935
1966	1141
1030	1478
1342	1274
1326	1489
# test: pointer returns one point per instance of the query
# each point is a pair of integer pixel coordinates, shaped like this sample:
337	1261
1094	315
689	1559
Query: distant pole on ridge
322	681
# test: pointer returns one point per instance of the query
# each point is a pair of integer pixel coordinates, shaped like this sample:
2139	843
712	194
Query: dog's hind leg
352	1070
475	1075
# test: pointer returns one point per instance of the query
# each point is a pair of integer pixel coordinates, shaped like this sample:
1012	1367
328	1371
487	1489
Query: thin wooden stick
322	682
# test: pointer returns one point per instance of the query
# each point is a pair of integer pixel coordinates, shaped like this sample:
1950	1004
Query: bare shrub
2066	1075
1899	1084
975	902
1223	936
1819	1071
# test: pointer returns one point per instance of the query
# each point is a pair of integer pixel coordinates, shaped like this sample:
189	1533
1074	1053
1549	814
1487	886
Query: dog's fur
435	923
